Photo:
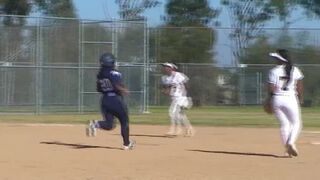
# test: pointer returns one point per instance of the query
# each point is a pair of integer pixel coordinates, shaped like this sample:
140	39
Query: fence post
38	83
146	68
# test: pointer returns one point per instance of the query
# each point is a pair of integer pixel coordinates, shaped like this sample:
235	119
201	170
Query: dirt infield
63	152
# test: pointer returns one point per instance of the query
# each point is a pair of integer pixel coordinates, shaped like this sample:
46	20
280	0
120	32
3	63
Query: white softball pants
177	113
287	111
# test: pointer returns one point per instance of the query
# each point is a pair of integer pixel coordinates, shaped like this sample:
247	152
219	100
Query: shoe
91	130
172	131
189	132
292	150
130	146
178	131
287	155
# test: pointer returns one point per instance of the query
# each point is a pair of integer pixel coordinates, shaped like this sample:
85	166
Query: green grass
235	116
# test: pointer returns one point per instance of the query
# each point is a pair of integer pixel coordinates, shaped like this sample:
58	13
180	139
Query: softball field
63	152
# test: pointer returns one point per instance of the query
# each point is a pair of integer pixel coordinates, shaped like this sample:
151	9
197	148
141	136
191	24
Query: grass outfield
248	116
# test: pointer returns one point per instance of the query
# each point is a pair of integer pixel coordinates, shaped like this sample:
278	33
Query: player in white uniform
286	88
173	84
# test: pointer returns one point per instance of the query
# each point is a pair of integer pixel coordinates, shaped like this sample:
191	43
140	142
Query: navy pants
114	106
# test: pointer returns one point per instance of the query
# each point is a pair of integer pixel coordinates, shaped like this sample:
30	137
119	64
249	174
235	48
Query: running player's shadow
151	135
77	146
238	153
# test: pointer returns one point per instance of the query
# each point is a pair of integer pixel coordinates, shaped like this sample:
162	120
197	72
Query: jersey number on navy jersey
106	85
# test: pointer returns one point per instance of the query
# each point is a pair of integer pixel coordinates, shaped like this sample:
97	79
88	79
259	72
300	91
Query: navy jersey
107	79
112	104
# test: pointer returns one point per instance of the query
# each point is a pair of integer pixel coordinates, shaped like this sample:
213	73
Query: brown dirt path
56	152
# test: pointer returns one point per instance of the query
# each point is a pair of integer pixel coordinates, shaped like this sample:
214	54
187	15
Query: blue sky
107	9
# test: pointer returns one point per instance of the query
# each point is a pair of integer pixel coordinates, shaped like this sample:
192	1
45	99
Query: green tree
15	7
185	37
189	13
306	56
185	44
133	9
312	7
58	8
18	7
303	54
248	19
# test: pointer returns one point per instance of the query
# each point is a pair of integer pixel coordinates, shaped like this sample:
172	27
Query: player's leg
122	115
285	126
294	116
124	122
91	129
173	124
279	109
183	104
107	123
189	131
175	128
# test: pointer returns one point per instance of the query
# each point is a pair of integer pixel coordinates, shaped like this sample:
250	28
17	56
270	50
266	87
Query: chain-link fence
50	64
245	85
232	63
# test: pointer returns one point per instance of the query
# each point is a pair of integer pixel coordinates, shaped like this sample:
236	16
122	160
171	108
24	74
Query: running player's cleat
130	146
91	130
292	150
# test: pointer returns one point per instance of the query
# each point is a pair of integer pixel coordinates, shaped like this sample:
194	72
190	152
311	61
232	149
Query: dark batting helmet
107	60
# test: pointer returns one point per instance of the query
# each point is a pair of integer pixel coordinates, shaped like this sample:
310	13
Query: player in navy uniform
109	84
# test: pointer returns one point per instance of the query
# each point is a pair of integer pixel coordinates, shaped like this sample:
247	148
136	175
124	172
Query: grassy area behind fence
247	116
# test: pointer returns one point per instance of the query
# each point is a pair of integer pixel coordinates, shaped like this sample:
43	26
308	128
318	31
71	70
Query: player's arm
186	87
271	84
98	86
165	86
99	82
267	104
299	85
271	89
120	86
300	91
118	83
186	84
122	89
165	89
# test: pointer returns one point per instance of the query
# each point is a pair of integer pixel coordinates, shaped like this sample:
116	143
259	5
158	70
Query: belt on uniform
111	94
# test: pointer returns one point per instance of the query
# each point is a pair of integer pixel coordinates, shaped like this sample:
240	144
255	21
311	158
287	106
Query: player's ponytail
288	68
